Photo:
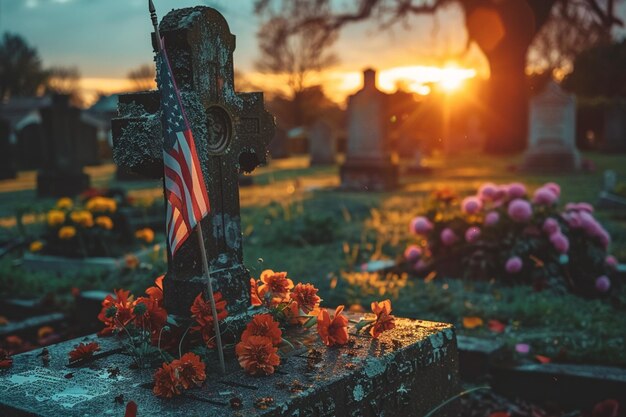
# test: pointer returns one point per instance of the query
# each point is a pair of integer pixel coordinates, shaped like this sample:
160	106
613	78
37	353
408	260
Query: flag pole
205	263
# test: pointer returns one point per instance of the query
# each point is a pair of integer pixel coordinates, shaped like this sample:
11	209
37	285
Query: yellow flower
104	222
146	234
36	246
82	218
56	217
65	203
67	232
101	204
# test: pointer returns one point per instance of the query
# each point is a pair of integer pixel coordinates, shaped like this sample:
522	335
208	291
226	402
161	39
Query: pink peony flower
471	205
603	283
551	226
421	225
472	234
492	218
513	265
554	187
520	210
522	348
544	196
421	266
412	253
560	242
611	261
516	190
584	207
448	237
488	191
573	219
571	207
604	237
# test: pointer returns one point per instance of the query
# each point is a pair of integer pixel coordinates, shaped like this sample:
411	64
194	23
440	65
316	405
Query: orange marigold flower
254	293
104	222
146	234
154	315
201	309
305	296
384	320
166	382
257	355
263	325
131	261
190	370
116	312
156	292
5	359
275	283
67	232
333	331
84	351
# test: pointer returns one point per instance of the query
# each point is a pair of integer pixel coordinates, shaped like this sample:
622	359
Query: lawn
294	220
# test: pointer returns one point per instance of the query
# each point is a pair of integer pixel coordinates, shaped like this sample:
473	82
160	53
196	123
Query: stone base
551	159
56	184
407	372
369	175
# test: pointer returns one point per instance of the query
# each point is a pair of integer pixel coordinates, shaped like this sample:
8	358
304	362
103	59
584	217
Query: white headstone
322	146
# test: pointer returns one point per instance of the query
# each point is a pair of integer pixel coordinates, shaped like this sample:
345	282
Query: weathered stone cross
231	130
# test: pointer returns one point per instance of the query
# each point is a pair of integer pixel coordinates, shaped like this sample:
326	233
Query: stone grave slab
407	372
322	144
552	132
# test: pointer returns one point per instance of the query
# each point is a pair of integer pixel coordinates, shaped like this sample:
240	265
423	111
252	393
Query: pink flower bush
560	242
551	226
472	234
603	284
492	218
520	210
545	196
471	205
513	265
448	237
412	253
611	261
488	191
516	190
554	187
421	225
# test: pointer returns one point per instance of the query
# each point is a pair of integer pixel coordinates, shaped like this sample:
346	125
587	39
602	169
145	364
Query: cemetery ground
294	219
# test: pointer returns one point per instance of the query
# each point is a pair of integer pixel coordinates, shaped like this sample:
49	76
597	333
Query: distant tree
599	72
314	105
143	77
504	31
299	56
21	71
66	80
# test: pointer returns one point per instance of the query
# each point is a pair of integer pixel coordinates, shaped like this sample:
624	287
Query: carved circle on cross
220	129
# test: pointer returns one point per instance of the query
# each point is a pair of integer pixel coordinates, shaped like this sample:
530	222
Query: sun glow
418	78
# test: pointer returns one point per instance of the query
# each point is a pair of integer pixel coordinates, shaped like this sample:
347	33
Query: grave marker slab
232	132
552	132
370	165
322	144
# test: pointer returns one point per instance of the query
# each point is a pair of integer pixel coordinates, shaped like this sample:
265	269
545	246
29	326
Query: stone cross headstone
322	144
552	132
232	132
62	171
369	164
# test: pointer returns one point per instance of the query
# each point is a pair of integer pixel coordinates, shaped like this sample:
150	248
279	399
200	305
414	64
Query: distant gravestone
279	147
552	132
369	162
615	127
61	173
7	160
322	144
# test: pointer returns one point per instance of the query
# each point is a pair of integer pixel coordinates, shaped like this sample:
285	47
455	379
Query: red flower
116	312
155	316
305	296
265	326
275	283
257	355
190	370
201	309
5	359
333	331
384	320
255	299
131	409
83	351
496	326
156	292
166	382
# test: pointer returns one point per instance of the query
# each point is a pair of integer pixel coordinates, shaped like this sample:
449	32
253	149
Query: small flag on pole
185	191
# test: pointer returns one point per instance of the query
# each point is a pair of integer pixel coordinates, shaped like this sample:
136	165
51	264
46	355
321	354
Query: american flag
185	192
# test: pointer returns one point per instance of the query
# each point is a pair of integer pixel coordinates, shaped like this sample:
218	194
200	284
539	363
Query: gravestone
232	131
61	173
322	144
552	132
279	148
614	135
369	165
7	159
409	370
